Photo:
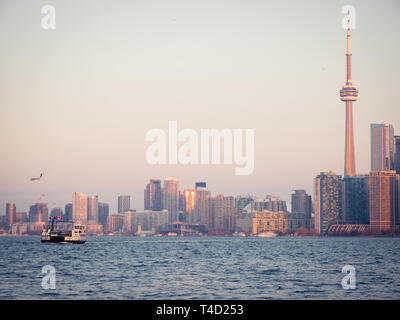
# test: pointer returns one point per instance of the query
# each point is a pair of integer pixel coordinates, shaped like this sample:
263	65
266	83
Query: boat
76	234
239	234
268	234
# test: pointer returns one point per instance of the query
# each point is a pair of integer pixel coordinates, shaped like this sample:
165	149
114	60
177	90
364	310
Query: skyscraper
38	212
124	203
355	200
382	147
301	203
397	154
327	201
153	196
93	209
68	212
11	211
384	200
202	205
349	93
223	213
80	207
171	198
189	206
102	214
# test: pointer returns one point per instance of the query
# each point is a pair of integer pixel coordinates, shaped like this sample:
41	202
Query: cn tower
349	93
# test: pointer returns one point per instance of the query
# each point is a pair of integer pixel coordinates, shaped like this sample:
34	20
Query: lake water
201	268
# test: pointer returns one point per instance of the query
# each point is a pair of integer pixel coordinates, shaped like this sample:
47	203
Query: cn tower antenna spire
348	55
349	93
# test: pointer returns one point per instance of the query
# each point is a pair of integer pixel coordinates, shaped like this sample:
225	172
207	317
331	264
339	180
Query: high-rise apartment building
189	206
382	147
68	212
80	207
327	201
93	209
202	207
384	200
153	196
39	212
171	198
397	154
223	213
102	214
355	200
124	203
11	211
147	220
301	203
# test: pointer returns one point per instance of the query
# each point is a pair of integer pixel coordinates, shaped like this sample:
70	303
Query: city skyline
92	140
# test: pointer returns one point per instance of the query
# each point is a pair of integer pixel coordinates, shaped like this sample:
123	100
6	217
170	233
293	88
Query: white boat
239	234
268	234
77	234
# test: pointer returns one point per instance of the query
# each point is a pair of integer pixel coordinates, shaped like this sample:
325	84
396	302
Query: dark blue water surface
201	268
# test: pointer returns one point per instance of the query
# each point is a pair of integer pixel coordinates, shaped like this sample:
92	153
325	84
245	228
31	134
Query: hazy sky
76	102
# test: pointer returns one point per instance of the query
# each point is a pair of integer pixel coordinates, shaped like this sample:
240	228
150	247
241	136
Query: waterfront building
301	203
11	211
147	220
327	201
384	198
223	214
356	200
279	222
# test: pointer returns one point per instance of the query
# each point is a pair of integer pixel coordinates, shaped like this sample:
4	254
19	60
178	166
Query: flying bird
37	179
